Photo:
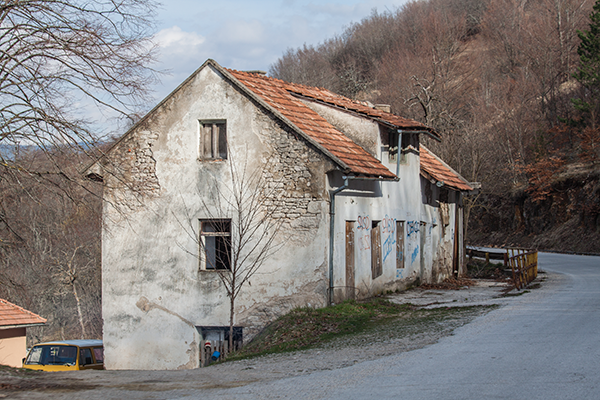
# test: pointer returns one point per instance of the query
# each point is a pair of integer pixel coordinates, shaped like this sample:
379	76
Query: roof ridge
279	97
21	309
456	181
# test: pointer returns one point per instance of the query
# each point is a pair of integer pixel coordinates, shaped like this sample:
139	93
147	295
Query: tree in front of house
240	232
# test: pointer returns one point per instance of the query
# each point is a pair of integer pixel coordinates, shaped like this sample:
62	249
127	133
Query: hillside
502	81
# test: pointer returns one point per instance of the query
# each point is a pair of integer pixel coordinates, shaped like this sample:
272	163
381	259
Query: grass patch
479	269
5	370
351	322
517	294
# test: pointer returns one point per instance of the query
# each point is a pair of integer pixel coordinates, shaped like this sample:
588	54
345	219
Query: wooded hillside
503	82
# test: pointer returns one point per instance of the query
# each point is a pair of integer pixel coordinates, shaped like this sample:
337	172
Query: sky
247	34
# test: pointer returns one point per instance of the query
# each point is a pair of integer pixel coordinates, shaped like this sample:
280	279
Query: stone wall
296	177
130	171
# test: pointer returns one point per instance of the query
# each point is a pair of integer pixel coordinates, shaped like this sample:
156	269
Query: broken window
215	243
399	244
376	262
393	145
213	140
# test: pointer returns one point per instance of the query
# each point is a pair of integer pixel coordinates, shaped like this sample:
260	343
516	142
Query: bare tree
239	232
60	60
70	274
63	64
53	266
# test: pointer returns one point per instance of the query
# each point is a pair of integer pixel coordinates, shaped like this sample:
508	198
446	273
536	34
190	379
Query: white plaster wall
428	243
388	201
153	293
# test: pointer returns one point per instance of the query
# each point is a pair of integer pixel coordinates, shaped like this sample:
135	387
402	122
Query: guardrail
522	262
524	265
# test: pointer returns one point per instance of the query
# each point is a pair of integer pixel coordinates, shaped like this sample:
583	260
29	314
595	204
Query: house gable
307	144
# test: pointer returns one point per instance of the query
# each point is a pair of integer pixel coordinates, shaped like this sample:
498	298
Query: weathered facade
357	216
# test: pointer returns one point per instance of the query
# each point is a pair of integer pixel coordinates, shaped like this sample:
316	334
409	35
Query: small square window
215	244
213	140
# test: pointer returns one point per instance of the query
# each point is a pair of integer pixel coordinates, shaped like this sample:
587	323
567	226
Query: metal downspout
398	152
331	234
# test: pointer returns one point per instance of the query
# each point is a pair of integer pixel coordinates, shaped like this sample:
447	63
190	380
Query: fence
522	262
215	342
524	265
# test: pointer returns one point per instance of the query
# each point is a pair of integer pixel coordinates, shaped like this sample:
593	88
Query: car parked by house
66	355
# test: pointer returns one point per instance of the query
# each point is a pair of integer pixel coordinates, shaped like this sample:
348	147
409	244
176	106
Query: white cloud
175	40
249	35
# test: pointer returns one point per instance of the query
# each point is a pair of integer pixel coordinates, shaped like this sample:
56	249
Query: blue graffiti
388	246
414	255
412	227
399	273
388	225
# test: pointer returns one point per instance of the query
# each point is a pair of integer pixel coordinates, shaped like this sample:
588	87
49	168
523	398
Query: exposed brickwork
131	164
296	173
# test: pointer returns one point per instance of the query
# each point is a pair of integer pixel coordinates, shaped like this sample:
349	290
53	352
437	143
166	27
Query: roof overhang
4	327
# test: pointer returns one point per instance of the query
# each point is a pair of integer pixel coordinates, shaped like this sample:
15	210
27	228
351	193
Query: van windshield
52	354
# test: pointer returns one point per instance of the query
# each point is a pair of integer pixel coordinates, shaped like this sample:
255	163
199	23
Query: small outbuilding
14	322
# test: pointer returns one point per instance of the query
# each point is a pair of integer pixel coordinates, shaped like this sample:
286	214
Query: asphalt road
543	345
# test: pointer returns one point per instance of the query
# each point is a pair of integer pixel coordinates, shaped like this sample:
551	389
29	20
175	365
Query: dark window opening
213	140
393	146
215	239
216	339
376	261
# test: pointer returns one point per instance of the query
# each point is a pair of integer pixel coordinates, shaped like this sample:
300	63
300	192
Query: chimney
258	72
383	107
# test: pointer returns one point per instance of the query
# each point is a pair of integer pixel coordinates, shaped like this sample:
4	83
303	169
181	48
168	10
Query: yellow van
66	355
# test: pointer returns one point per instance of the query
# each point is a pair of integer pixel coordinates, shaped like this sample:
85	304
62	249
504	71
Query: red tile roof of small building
438	170
13	315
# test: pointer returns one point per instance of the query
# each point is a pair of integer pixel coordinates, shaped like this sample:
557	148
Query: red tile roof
279	95
325	96
13	315
284	98
438	170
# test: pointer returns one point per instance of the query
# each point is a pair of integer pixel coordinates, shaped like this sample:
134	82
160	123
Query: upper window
409	142
215	241
213	140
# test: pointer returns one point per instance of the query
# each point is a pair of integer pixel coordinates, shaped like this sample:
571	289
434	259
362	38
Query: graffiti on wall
388	232
414	255
412	227
363	228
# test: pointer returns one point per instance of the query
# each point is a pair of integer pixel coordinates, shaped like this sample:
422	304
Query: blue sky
247	35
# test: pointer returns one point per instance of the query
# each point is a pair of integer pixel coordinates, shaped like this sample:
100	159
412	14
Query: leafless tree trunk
250	237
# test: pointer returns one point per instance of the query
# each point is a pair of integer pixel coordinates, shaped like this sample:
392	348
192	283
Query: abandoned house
361	208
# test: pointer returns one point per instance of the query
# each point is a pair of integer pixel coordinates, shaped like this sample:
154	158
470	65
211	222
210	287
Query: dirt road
345	352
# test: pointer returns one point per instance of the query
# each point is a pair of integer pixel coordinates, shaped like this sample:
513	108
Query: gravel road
202	382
